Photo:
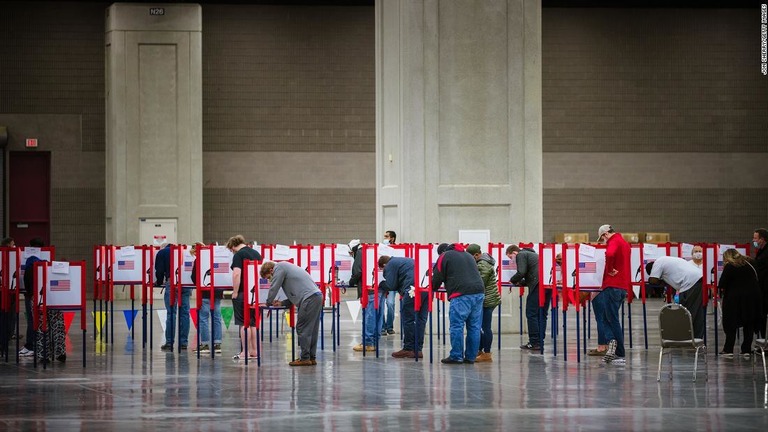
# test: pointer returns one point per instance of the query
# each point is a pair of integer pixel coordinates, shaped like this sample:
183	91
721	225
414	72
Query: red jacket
617	256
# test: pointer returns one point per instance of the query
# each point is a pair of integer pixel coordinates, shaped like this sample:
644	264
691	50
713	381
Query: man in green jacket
487	267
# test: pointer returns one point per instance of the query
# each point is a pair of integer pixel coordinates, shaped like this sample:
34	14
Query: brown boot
300	362
402	354
484	357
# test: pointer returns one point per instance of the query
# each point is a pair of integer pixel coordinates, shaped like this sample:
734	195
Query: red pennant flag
68	317
193	314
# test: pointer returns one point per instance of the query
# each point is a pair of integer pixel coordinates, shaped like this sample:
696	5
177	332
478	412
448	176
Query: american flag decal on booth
588	267
125	265
220	268
508	265
60	285
344	265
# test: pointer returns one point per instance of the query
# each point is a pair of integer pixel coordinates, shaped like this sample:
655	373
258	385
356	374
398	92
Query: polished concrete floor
127	387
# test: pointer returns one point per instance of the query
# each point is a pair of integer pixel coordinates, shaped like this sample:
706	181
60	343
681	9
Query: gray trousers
308	325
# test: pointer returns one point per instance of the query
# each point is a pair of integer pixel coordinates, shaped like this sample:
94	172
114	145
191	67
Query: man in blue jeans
398	276
615	287
527	261
162	278
466	292
374	317
390	238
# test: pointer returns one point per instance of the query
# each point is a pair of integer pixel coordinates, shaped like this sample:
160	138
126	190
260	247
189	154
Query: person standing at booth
760	243
398	279
374	318
487	267
614	289
163	278
8	319
242	252
301	291
465	290
742	301
205	317
390	238
29	348
527	261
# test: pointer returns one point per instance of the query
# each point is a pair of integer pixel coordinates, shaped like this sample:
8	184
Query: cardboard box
654	237
631	237
572	238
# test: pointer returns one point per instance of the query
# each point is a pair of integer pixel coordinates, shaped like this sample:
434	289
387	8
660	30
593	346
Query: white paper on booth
723	248
342	250
220	251
128	251
587	250
282	252
686	250
60	267
32	251
650	251
386	250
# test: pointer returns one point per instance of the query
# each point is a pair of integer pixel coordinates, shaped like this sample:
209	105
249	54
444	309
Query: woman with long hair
742	300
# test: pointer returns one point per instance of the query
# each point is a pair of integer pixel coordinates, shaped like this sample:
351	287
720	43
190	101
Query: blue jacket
163	265
398	274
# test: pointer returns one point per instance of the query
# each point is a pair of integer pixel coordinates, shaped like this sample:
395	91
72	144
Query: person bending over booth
398	278
301	291
687	281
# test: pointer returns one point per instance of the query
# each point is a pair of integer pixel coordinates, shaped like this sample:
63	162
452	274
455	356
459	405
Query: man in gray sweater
302	292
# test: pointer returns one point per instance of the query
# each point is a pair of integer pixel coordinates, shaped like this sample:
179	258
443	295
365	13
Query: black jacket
356	280
761	265
458	270
741	296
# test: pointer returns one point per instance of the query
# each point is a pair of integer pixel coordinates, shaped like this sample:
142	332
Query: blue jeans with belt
465	310
607	304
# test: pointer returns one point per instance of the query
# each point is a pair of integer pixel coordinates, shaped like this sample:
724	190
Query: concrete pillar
154	119
458	119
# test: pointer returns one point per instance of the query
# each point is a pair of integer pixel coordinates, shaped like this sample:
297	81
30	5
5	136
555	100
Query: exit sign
31	143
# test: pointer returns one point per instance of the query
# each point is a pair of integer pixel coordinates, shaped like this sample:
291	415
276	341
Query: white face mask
697	255
386	241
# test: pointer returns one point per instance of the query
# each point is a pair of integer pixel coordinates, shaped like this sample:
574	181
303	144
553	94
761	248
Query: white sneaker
26	353
610	352
619	361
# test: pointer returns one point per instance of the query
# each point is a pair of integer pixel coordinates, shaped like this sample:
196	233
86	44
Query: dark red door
29	197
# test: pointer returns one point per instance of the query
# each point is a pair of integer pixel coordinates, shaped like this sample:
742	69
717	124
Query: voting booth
58	285
10	269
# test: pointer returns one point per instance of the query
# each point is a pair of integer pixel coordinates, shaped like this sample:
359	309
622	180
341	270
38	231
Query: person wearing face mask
301	291
759	241
390	238
697	257
741	301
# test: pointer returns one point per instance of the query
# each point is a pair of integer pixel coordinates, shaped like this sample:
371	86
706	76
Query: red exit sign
31	143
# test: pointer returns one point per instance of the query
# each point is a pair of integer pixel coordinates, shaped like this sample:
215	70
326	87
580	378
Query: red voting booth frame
331	287
40	309
10	292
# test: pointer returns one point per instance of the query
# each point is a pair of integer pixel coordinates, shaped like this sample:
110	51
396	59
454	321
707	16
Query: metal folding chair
676	328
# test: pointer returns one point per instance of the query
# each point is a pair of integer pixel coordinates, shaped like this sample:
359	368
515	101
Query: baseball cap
603	229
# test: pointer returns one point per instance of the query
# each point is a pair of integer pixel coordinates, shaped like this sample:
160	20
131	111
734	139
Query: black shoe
469	361
167	348
449	360
531	347
390	331
183	347
62	358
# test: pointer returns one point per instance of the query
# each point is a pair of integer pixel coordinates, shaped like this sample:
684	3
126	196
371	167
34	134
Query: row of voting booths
58	285
330	266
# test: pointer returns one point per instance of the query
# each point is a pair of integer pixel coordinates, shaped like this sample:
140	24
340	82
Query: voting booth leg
133	328
151	324
498	337
542	329
645	326
554	331
584	319
622	319
333	326
245	342
212	341
112	321
521	314
293	343
588	317
258	350
578	339
437	300
363	339
95	312
144	325
445	312
261	327
338	324
629	322
430	338
84	339
322	331
565	337
705	333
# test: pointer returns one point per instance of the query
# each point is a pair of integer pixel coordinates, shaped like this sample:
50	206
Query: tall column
154	118
458	118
